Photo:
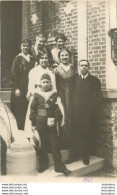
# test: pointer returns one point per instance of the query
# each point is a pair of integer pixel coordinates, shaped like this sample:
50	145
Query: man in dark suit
86	103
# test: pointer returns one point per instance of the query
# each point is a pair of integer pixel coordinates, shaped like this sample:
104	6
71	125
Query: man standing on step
86	104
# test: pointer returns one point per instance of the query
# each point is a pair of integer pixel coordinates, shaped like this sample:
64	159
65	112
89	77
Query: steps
77	168
65	156
5	96
79	173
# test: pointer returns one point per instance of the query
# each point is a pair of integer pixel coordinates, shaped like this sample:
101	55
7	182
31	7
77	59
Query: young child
44	114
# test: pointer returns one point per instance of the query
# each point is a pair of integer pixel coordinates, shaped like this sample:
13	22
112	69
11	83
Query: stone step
5	95
65	156
78	169
8	104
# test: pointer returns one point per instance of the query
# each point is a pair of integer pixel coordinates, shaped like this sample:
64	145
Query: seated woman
65	74
34	80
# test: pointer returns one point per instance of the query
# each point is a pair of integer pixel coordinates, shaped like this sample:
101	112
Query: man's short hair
41	35
85	61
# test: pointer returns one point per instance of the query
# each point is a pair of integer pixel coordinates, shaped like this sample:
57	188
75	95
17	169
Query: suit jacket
86	100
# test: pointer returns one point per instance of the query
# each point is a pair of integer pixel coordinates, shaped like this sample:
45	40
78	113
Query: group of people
58	99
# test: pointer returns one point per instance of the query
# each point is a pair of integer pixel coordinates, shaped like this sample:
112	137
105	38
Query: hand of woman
28	95
17	92
33	129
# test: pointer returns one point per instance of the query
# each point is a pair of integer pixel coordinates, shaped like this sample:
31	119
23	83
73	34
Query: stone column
82	30
111	22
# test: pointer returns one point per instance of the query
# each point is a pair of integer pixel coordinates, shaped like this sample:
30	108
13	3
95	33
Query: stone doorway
11	29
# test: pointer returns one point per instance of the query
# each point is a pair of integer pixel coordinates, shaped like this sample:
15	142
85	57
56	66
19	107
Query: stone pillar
82	30
111	22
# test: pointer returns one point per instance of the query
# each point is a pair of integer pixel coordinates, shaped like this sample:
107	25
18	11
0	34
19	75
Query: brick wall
106	137
54	18
97	40
35	8
68	25
30	10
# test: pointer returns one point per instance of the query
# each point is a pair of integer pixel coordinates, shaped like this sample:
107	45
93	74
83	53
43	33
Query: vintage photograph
58	91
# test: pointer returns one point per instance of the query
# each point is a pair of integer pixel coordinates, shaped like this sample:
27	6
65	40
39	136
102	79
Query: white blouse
27	57
35	75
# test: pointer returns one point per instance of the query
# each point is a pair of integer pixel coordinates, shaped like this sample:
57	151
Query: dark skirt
19	107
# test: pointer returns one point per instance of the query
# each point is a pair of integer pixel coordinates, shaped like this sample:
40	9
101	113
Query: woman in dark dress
65	74
22	64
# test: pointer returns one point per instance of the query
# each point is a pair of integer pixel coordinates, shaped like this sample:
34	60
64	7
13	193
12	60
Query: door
11	31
